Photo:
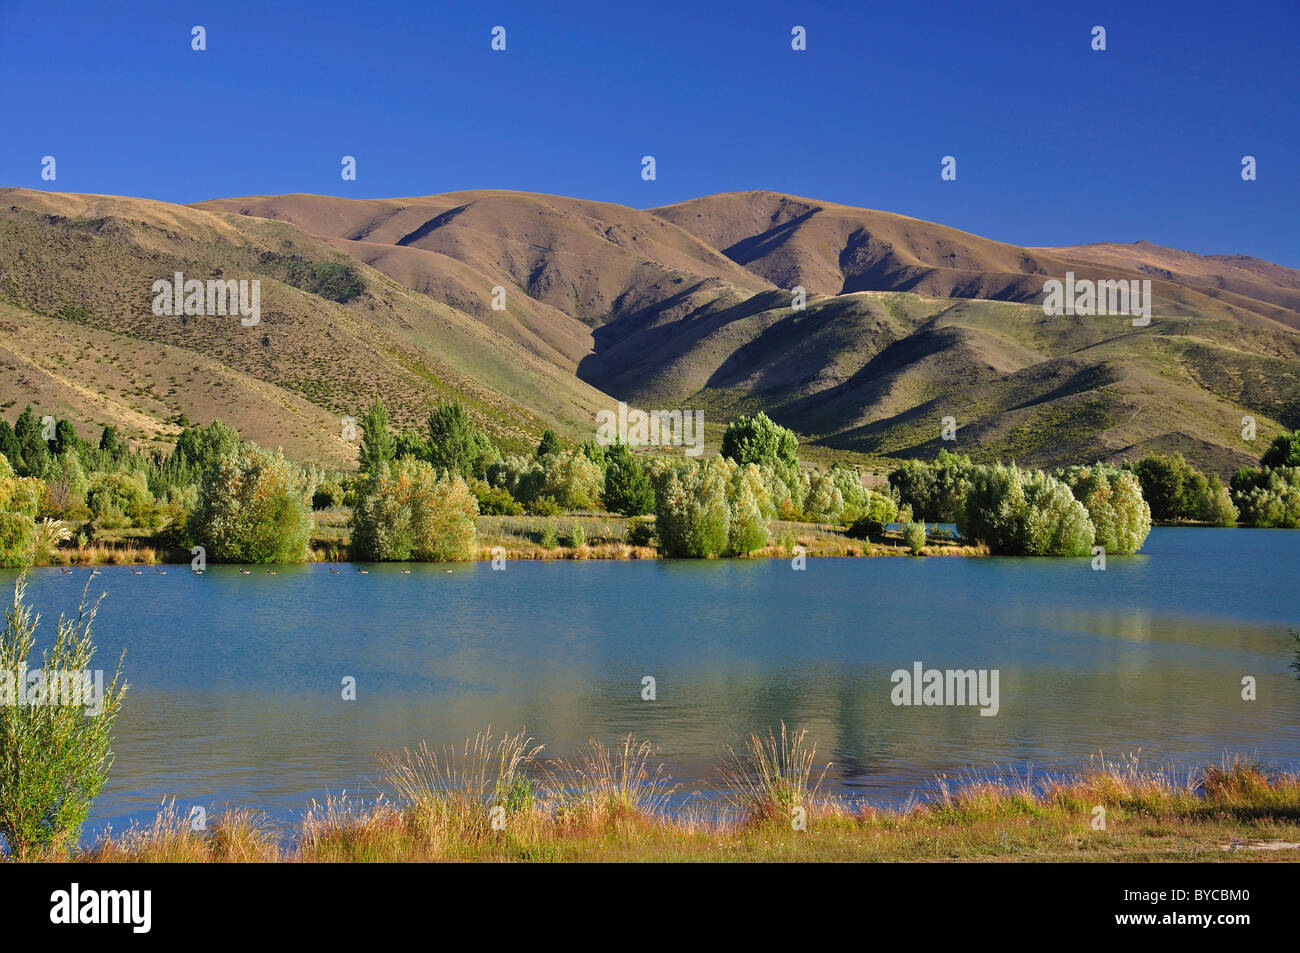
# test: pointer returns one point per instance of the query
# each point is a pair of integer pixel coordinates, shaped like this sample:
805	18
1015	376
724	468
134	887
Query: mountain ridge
691	304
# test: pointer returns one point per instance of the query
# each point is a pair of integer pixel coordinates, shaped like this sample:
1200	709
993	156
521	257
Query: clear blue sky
1055	143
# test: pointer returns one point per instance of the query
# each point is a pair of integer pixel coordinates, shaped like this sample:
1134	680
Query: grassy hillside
334	332
688	306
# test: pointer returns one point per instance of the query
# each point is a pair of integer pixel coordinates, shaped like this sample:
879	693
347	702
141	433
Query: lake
236	680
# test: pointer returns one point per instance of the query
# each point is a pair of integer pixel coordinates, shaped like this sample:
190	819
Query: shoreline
611	806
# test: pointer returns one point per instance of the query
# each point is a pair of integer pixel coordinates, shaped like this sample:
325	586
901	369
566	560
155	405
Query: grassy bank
612	805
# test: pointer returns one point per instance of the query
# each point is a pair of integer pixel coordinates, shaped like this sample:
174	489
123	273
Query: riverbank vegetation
426	495
502	800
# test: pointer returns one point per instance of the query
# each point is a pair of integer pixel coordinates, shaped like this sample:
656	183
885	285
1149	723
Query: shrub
254	506
577	536
1284	451
543	506
19	504
692	517
17	534
709	507
641	533
549	539
878	511
758	439
328	494
914	537
494	501
1269	497
54	758
1113	498
934	491
409	511
1024	513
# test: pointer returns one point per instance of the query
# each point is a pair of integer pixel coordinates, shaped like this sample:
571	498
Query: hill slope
907	322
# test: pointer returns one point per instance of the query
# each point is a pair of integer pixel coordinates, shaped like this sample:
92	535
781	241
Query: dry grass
237	836
774	777
613	804
105	554
603	786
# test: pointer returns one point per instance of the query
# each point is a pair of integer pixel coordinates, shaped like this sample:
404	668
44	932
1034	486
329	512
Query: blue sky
1055	143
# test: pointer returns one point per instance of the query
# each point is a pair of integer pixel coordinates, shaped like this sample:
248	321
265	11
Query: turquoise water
236	679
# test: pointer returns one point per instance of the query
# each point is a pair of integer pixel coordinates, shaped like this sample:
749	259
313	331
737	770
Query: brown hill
684	306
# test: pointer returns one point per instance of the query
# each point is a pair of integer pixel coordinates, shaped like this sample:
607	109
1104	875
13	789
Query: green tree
823	501
455	444
411	444
1024	513
35	449
1284	451
747	503
1268	497
109	441
934	490
854	494
550	444
692	517
254	506
758	439
54	756
1113	499
66	438
709	507
20	499
627	485
115	498
198	448
10	448
878	511
407	511
595	453
1164	485
914	537
377	444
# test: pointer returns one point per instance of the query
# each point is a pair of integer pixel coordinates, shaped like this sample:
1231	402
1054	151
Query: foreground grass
612	805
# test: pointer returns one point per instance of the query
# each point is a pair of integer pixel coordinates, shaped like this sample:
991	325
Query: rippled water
236	679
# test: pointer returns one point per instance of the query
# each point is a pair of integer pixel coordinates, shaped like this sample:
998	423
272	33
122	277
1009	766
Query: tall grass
458	788
773	777
614	803
601	785
236	836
